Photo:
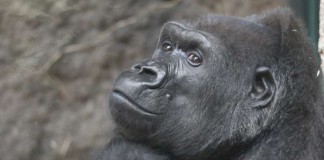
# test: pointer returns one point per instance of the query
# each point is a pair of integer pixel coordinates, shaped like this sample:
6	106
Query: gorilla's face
176	80
187	95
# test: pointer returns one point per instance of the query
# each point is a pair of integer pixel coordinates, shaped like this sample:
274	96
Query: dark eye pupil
166	47
193	58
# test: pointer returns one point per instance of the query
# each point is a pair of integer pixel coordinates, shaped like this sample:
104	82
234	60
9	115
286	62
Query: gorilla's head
216	84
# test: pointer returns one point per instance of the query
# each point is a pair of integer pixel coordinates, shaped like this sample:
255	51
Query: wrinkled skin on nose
150	74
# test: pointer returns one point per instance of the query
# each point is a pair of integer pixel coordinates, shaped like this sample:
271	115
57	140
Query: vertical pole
308	11
321	33
313	19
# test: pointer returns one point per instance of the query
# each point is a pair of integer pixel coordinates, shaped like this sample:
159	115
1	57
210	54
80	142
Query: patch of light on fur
318	73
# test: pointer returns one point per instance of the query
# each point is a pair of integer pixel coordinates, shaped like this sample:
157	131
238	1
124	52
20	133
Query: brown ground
58	59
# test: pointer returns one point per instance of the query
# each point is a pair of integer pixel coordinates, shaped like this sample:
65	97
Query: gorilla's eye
194	59
167	47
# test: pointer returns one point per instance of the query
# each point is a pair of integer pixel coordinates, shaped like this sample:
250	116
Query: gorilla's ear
263	88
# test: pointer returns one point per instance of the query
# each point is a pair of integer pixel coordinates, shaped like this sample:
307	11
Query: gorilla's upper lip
138	106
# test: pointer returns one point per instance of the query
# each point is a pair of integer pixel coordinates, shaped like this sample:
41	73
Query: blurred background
58	60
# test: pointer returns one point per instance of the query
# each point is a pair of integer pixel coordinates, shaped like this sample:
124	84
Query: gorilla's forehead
231	28
183	33
226	24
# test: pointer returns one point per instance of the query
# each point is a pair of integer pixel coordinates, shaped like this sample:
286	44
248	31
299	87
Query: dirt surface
58	60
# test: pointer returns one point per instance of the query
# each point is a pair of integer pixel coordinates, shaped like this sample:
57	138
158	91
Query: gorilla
222	88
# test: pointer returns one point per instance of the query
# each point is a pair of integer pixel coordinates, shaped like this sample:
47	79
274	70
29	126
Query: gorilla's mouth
132	104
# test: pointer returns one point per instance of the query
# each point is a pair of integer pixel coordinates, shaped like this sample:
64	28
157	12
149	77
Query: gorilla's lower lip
133	104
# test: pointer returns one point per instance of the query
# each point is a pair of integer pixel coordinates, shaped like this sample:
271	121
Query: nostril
136	67
149	72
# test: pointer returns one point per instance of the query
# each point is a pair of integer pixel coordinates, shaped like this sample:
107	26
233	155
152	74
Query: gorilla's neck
299	139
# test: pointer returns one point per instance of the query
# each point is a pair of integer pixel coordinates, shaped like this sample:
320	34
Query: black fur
251	93
121	149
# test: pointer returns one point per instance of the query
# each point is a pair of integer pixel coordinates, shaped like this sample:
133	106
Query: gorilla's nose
151	73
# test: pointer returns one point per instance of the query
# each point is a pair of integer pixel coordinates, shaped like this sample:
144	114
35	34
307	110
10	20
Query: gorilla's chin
130	116
121	101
